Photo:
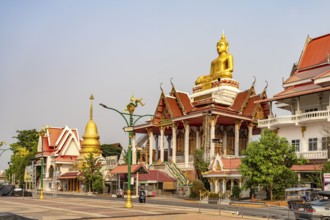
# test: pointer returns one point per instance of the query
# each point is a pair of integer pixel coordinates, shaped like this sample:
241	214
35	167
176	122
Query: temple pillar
151	145
250	127
169	143
156	148
174	129
237	127
186	144
216	185
212	136
162	129
197	139
224	141
134	152
224	185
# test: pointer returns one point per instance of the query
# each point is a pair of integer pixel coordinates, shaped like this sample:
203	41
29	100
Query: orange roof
135	168
231	163
313	64
155	175
316	52
174	107
70	175
239	100
307	167
185	101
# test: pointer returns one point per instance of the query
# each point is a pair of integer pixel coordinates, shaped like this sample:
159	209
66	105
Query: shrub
214	196
197	185
236	192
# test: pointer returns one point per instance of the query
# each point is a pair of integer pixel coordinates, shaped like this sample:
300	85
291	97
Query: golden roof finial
91	98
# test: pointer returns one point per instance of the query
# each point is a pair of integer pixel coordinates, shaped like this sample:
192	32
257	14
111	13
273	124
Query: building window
296	144
312	144
325	143
311	110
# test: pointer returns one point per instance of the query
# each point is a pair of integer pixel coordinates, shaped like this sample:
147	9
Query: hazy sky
55	54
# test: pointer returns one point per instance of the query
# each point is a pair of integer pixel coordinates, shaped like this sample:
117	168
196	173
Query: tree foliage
110	150
201	166
23	152
267	163
93	179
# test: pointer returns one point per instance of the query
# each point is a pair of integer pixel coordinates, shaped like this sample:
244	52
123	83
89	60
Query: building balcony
297	119
312	155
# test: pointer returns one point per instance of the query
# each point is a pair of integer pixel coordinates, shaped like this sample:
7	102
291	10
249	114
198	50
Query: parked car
318	209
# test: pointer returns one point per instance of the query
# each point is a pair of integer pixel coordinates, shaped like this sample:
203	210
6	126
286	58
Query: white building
306	97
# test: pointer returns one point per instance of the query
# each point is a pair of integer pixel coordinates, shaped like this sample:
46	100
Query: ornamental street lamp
42	133
130	108
3	150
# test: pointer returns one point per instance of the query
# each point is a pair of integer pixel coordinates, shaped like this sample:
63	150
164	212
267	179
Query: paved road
52	208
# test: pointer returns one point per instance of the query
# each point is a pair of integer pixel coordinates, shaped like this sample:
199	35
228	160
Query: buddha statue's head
222	45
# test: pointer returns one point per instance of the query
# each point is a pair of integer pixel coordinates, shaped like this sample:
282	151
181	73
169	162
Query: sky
55	54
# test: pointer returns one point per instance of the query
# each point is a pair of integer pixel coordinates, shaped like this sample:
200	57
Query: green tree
110	150
92	175
201	166
23	152
267	163
197	186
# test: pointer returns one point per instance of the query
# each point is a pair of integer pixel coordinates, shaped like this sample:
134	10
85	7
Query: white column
186	144
174	143
224	185
137	184
224	142
237	126
216	184
250	127
133	149
151	145
162	129
212	137
197	137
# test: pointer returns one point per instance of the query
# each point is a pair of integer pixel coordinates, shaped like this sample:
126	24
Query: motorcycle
120	193
142	196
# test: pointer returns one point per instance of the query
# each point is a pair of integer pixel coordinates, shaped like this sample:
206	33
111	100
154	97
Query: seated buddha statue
222	66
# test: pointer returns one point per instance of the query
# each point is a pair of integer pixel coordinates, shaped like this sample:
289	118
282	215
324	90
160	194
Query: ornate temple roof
59	142
312	72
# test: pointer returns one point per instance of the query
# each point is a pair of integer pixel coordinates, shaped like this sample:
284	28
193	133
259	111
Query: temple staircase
176	173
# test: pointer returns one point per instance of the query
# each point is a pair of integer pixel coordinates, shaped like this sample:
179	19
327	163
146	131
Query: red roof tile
70	175
122	169
174	107
231	163
185	100
316	52
155	175
307	167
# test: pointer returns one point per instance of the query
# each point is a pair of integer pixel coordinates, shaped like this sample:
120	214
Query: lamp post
130	108
42	133
2	150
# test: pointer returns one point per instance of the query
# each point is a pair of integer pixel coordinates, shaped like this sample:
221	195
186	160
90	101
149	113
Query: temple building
306	98
64	154
59	147
217	118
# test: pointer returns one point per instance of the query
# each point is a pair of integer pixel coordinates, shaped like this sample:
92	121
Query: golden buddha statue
222	66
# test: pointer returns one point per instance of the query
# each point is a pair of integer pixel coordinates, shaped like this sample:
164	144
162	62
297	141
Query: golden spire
91	107
90	143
